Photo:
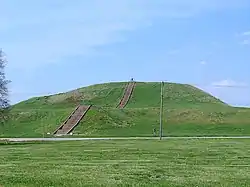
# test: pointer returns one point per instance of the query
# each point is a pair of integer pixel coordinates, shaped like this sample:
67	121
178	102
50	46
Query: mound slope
187	111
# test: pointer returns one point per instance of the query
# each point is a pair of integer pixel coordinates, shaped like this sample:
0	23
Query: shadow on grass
6	142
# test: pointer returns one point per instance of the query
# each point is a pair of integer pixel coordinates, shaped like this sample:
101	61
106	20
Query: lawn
173	163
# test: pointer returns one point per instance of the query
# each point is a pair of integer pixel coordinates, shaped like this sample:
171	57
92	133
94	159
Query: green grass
188	111
170	163
175	96
32	123
133	122
186	122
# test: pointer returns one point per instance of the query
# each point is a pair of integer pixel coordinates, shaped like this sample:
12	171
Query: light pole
43	128
161	109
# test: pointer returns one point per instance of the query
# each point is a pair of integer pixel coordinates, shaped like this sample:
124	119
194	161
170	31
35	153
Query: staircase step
73	120
127	94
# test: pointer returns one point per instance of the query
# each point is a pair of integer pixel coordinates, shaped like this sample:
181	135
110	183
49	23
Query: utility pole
43	128
161	109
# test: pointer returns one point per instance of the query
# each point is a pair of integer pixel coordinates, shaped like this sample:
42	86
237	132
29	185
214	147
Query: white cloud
246	33
35	33
244	37
203	62
229	83
246	42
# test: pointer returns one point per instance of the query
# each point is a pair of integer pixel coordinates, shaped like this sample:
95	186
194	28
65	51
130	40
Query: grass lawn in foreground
186	163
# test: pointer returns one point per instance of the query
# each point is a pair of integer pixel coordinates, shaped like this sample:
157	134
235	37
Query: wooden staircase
73	120
127	94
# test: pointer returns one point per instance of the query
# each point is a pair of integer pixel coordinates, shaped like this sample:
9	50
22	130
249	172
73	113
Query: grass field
188	111
188	163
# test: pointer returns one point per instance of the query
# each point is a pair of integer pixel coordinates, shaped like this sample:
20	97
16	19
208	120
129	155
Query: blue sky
55	46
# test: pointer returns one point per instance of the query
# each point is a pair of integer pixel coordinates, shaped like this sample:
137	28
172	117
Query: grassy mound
175	96
188	111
